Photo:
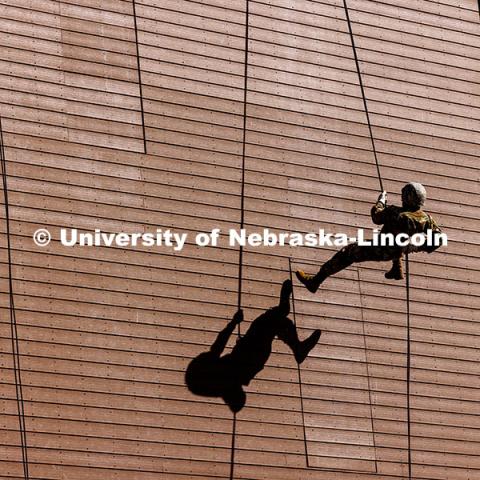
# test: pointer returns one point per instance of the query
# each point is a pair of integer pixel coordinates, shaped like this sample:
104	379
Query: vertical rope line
352	39
232	450
302	408
367	365
409	430
13	319
242	192
242	213
139	76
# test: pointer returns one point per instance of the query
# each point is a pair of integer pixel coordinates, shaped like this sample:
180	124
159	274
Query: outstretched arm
219	345
378	210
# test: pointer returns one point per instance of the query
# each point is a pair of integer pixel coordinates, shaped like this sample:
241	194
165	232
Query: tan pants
355	253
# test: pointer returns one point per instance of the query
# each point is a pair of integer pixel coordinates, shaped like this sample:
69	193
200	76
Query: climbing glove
383	197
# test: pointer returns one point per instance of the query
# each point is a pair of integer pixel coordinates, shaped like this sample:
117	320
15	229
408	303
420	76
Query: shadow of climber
212	375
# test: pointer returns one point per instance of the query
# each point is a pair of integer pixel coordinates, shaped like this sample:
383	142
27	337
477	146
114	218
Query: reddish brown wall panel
106	333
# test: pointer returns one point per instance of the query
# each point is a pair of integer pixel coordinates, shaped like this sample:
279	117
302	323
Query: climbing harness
13	319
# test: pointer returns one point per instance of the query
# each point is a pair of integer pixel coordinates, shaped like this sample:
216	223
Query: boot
304	348
310	281
396	272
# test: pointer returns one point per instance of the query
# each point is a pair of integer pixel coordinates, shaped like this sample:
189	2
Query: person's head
414	196
206	377
200	376
235	398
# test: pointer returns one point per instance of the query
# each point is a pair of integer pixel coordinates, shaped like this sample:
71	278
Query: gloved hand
238	317
383	197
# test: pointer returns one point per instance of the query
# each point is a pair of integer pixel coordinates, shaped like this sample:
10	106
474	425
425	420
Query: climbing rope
242	221
362	89
409	427
352	40
242	214
13	319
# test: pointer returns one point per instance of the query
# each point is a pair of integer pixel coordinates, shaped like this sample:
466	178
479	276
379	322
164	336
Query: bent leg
287	332
396	272
354	253
284	301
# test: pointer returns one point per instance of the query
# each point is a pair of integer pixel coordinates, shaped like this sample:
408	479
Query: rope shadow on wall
13	319
210	374
369	468
213	375
139	73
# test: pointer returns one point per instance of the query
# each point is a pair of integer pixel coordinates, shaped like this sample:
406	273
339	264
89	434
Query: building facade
189	116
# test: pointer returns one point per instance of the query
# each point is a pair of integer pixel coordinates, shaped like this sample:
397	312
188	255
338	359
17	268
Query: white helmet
414	195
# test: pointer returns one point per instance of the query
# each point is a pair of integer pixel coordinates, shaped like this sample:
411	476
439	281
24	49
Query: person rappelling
408	219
